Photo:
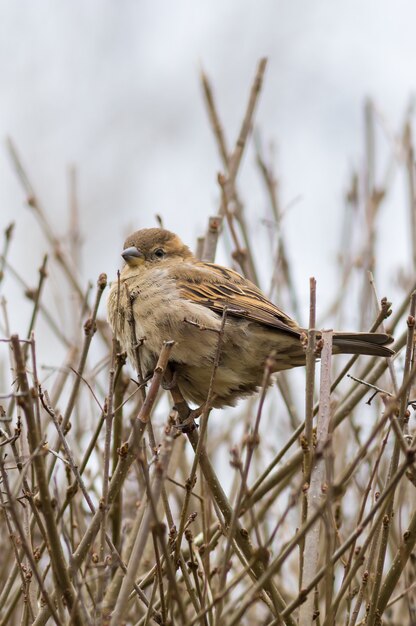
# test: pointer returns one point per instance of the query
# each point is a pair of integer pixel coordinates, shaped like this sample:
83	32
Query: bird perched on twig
173	295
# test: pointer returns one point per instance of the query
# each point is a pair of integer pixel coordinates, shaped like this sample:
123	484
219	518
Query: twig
373	608
241	539
309	392
211	238
8	234
55	550
34	204
316	488
127	454
89	330
252	441
127	457
141	539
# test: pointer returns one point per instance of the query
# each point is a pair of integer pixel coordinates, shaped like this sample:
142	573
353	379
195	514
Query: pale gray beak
132	253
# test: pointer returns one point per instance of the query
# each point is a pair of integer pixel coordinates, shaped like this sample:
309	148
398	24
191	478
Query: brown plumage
175	296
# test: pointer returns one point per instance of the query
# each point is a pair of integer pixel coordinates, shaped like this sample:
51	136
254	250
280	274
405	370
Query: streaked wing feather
221	287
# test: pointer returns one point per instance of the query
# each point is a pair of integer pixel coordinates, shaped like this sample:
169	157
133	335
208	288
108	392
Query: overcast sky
113	88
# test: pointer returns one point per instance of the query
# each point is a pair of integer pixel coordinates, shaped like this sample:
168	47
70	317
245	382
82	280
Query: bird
211	313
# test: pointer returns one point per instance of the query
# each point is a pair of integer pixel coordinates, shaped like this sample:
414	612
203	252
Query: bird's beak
133	256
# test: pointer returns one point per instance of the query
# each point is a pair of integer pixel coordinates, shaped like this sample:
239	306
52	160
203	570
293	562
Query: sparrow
166	293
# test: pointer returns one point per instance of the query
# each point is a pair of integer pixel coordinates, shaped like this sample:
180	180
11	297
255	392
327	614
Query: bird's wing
218	287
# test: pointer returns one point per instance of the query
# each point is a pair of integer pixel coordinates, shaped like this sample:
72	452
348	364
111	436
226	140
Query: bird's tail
373	344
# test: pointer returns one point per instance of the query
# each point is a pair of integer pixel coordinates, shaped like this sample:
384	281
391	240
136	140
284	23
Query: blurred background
113	89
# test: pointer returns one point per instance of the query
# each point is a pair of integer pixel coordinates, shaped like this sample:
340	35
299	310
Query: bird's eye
159	253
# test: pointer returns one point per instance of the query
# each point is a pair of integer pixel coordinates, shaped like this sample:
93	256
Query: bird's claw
188	424
144	381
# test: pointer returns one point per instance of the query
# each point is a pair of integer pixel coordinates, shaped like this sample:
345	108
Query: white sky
113	87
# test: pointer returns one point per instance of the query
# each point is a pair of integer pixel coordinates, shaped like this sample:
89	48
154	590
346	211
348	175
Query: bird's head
151	246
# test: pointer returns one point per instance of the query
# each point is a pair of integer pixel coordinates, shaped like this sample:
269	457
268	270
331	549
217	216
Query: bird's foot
143	382
188	424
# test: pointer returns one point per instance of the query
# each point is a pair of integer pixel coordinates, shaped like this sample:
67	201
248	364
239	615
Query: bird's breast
150	307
